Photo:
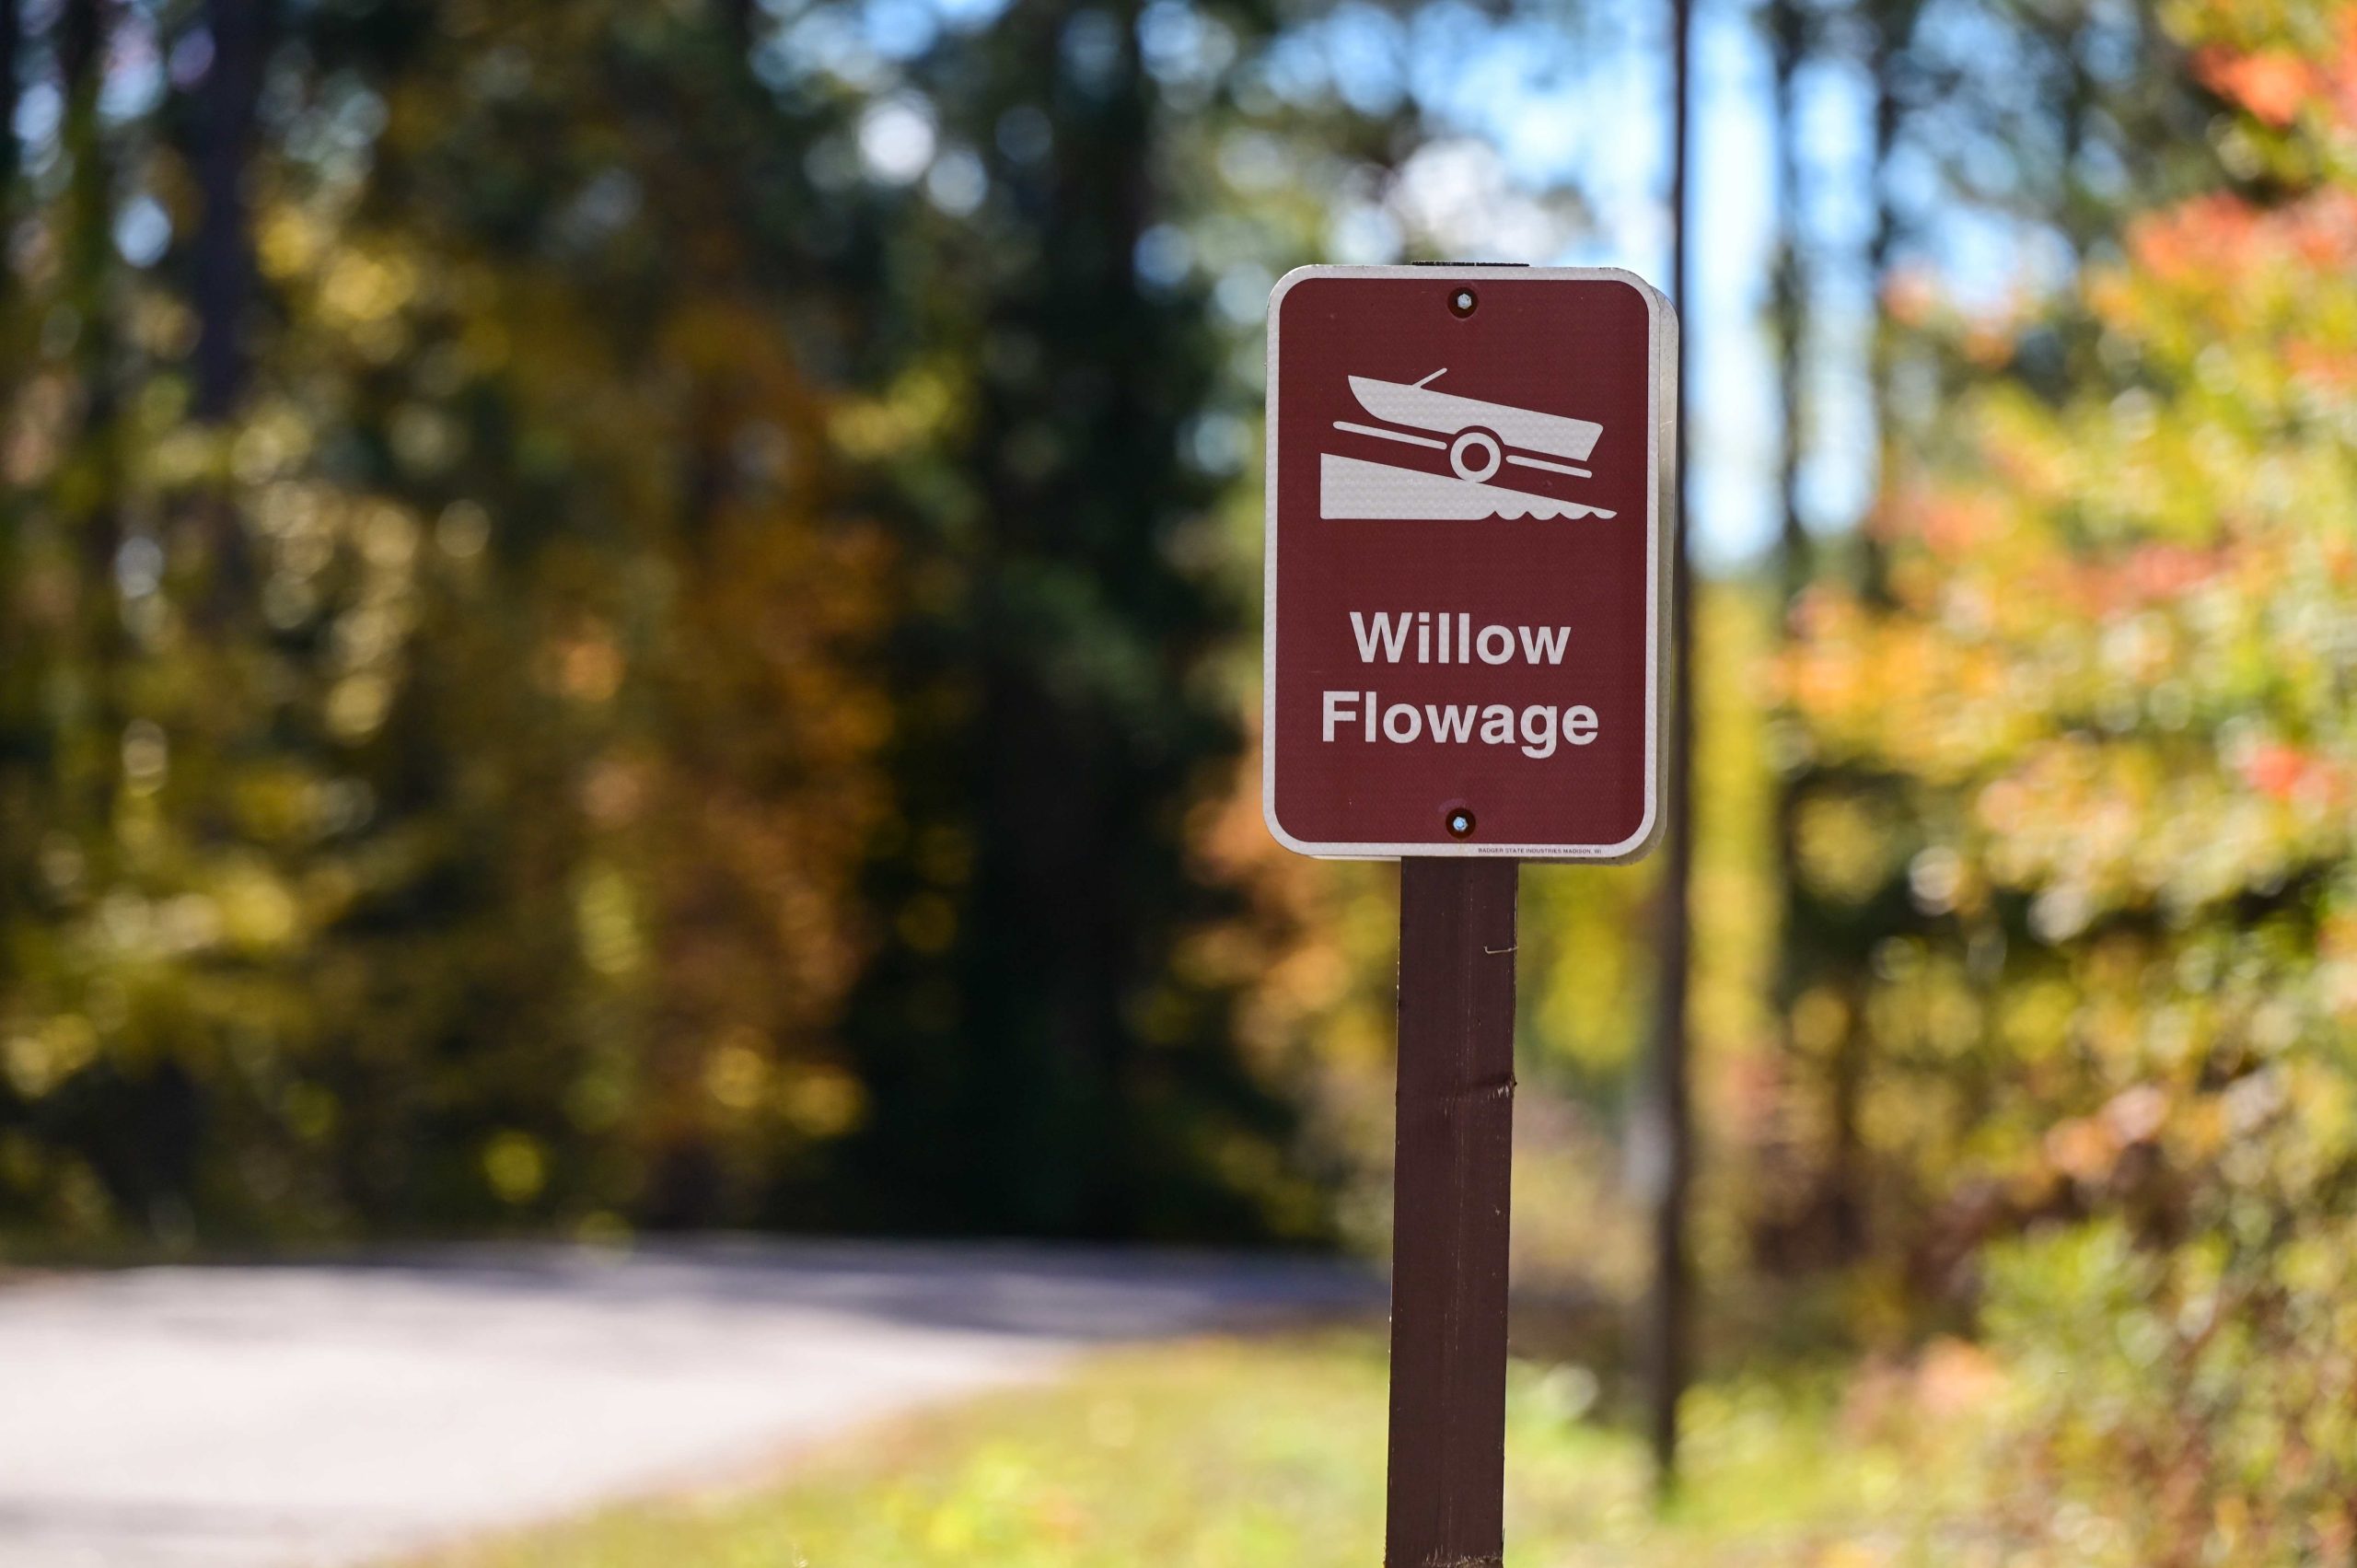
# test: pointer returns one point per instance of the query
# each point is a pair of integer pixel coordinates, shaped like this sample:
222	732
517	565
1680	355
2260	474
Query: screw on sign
1470	473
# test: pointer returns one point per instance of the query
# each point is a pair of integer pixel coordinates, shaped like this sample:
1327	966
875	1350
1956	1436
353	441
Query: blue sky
1550	133
1552	127
1574	97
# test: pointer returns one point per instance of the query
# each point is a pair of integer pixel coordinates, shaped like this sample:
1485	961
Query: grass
1267	1453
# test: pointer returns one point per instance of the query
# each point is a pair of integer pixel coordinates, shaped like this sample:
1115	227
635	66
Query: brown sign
1468	488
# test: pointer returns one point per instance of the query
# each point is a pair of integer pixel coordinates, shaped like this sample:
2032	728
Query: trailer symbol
1478	435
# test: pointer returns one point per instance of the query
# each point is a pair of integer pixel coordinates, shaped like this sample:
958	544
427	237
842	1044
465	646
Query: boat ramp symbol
1481	440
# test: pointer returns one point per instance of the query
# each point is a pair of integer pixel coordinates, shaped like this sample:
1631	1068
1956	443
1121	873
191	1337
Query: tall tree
738	16
12	40
1789	39
1665	1129
1790	45
18	698
222	287
1052	1065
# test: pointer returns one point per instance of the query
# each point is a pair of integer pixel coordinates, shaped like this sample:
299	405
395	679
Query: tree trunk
738	16
15	690
1789	43
88	275
11	39
224	261
1664	1133
1779	1145
1843	1203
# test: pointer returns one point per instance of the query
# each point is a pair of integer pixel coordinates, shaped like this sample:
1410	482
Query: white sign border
1661	459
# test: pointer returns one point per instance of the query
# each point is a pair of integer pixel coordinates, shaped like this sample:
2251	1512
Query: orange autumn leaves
2299	60
2122	626
2109	672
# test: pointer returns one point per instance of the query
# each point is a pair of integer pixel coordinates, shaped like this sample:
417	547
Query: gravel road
297	1416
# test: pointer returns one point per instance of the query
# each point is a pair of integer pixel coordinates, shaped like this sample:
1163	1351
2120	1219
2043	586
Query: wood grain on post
1446	1494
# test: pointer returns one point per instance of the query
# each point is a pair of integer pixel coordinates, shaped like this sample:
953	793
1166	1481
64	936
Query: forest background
620	616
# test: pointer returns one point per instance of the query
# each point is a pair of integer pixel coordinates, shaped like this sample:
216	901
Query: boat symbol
1476	436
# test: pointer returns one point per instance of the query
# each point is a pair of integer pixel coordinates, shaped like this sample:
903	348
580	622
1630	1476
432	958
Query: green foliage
2181	1406
670	695
1042	1059
2104	688
387	812
690	669
1261	1454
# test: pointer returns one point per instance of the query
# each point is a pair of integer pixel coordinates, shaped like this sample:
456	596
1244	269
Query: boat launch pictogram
1480	441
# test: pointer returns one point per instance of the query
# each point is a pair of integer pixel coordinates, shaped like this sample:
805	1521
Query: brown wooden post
1446	1493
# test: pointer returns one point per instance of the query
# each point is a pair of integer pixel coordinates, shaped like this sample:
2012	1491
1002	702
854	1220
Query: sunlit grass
1269	1454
